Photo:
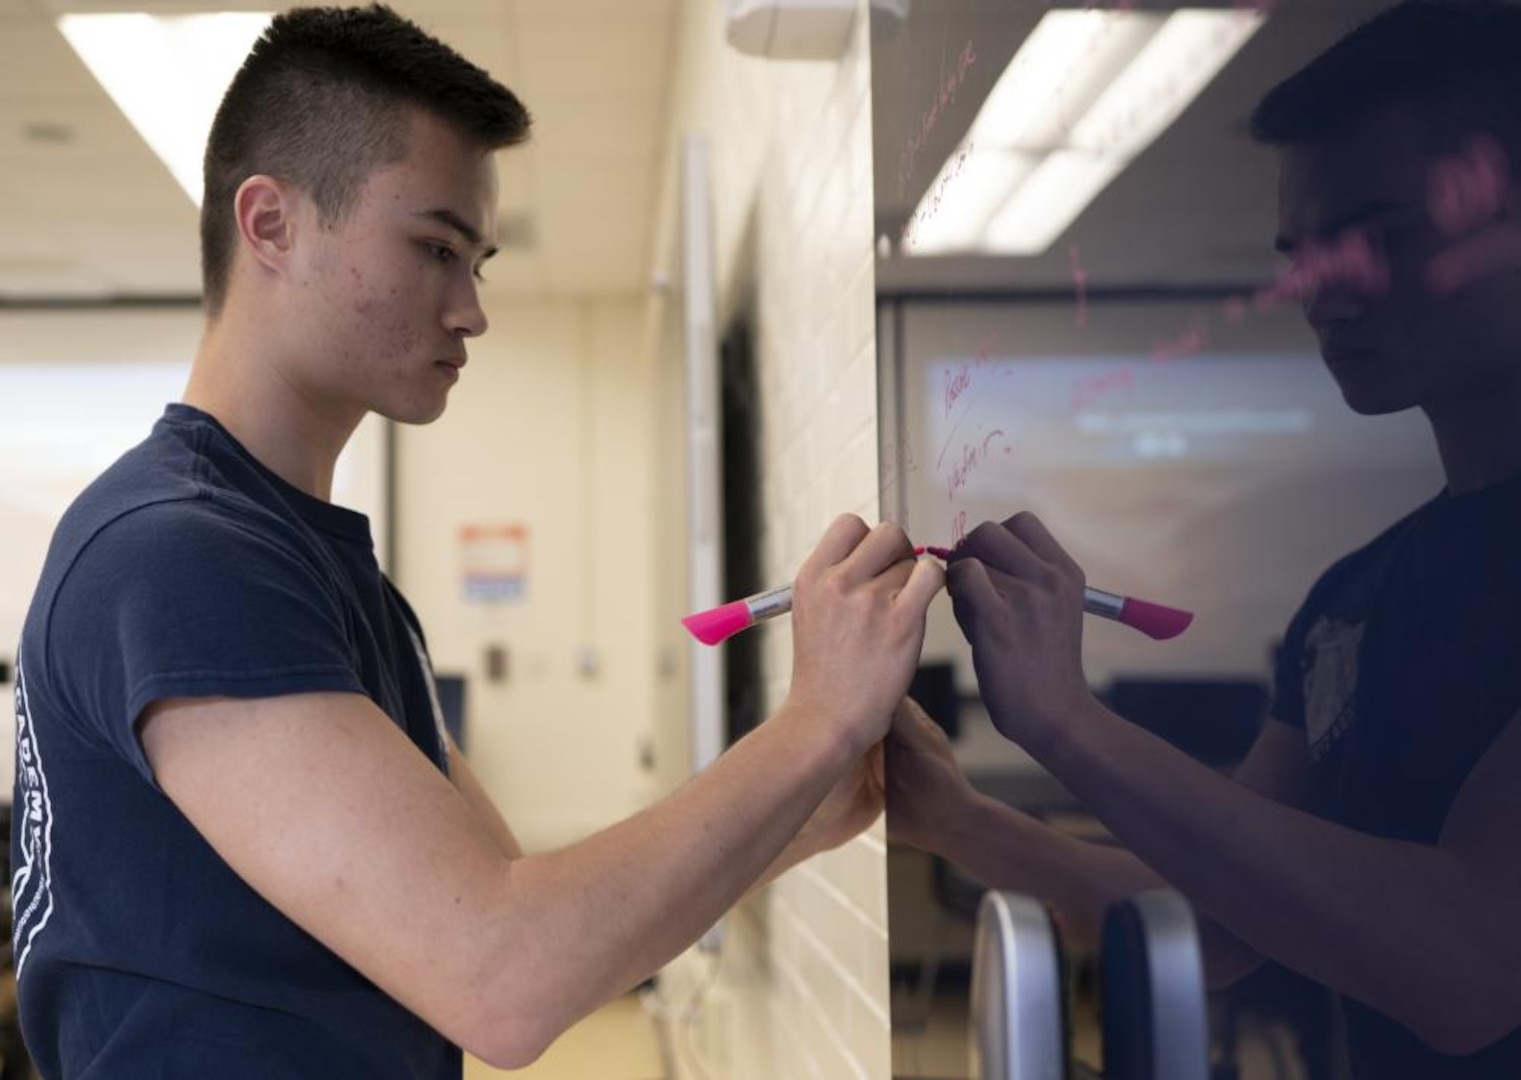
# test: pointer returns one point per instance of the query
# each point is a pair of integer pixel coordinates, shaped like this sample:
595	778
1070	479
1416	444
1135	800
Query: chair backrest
1155	1013
1018	1000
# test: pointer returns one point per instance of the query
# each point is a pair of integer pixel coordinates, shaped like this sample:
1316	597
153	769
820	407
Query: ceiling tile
94	129
37	62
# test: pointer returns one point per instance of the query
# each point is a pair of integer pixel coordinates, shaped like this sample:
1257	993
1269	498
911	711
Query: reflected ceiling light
1057	75
167	74
981	185
1084	96
1048	201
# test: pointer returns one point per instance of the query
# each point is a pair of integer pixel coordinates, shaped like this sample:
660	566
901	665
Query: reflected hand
1018	598
927	793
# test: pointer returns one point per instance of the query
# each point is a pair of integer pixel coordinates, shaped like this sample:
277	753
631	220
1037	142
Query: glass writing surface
1081	314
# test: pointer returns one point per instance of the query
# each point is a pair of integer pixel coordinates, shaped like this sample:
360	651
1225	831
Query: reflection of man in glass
1371	839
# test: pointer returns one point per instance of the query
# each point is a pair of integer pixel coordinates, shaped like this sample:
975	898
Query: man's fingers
844	535
1029	528
994	545
925	579
971	590
881	548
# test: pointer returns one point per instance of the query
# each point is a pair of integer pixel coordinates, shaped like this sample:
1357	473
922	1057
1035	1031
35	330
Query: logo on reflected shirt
1330	682
32	882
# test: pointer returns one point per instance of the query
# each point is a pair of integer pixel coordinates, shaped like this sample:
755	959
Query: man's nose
466	317
1329	303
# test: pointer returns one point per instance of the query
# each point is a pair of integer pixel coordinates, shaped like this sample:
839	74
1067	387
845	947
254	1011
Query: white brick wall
801	989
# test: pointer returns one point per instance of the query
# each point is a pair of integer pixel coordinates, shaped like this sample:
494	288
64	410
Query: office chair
1018	1000
1155	1015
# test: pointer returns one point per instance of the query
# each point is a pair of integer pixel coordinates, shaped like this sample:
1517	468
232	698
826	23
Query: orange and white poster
494	562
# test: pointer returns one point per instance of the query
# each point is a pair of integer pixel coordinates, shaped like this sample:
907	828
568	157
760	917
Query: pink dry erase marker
722	623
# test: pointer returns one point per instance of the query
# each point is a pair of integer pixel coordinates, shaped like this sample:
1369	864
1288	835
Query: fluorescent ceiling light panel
980	188
1050	200
1057	75
1164	79
1090	90
167	74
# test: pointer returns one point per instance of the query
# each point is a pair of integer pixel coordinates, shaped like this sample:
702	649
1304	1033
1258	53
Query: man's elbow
1477	1010
508	1053
1470	1029
505	1013
507	1038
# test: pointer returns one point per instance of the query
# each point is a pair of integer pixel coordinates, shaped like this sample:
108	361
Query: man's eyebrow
444	216
1367	211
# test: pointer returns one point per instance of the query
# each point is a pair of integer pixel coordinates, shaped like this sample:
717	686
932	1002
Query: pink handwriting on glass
1349	261
958	529
929	207
958	382
1089	390
1079	279
975	451
973	454
1469	198
944	96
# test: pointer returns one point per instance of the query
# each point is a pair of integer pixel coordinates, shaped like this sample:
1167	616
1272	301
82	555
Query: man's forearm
599	916
1007	849
1405	928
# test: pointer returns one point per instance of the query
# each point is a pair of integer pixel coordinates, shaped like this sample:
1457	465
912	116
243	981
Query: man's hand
928	797
858	626
1018	597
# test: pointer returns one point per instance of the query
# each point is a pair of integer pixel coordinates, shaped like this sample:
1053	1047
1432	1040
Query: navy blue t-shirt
188	569
1402	667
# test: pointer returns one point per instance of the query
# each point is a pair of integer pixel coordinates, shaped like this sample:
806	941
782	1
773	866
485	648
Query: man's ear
266	212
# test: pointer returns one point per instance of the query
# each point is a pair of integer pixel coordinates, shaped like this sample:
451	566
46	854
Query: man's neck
284	428
1479	436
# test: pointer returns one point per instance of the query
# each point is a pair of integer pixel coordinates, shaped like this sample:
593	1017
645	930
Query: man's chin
1367	388
414	413
1373	400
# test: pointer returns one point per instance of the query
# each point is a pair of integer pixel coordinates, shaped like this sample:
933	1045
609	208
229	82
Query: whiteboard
1223	482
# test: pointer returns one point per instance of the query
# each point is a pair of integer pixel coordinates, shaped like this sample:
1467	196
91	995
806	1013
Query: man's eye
441	252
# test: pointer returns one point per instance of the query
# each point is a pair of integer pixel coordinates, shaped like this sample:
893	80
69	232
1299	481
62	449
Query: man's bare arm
490	817
1424	933
323	806
1007	849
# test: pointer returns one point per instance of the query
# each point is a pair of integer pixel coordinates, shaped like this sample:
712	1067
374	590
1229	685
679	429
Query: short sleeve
1288	674
1288	704
193	599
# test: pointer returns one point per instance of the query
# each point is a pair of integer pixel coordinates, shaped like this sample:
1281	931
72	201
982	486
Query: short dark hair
321	101
1458	62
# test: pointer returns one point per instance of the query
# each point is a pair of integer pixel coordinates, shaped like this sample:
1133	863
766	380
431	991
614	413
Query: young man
1371	840
244	846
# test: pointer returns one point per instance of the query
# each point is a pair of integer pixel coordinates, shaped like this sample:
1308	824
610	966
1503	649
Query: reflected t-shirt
188	569
1402	667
